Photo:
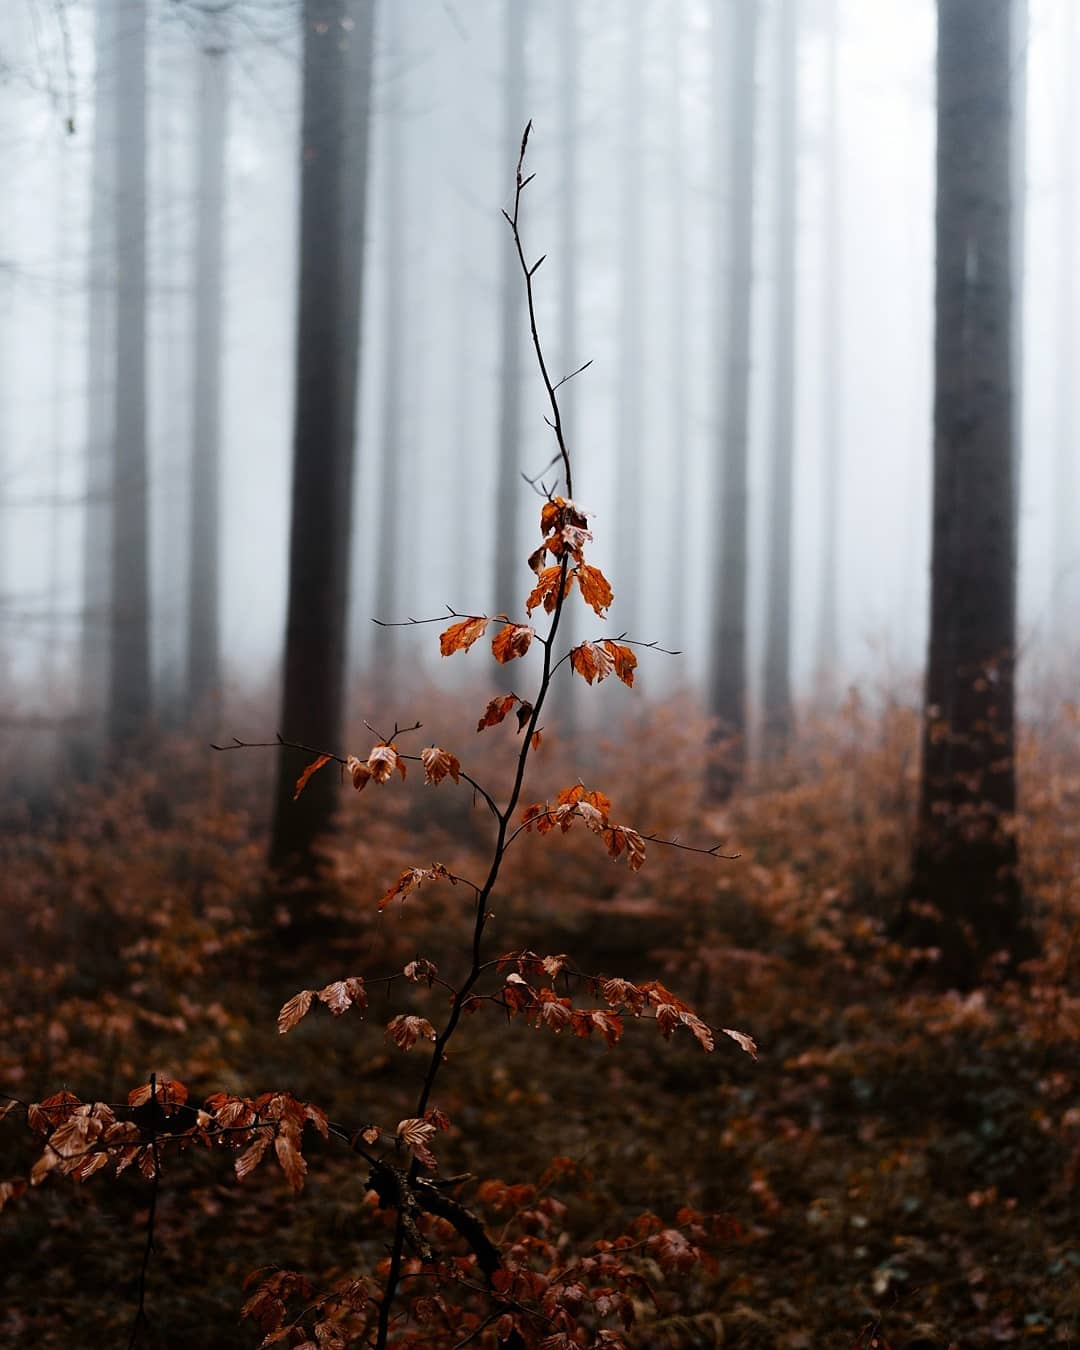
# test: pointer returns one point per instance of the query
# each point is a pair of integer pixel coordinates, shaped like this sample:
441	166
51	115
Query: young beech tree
447	1279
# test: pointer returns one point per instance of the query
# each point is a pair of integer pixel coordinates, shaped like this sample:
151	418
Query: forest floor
898	1168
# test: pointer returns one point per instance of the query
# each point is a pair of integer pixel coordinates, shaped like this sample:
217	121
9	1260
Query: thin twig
140	1312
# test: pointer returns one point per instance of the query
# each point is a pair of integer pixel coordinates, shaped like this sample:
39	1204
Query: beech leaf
312	769
459	637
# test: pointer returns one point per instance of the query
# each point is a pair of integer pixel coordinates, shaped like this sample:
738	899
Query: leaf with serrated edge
294	1011
459	637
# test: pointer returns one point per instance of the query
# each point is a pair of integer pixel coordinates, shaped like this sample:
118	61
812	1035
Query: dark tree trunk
204	582
630	373
510	571
336	83
733	69
100	363
965	897
129	629
778	581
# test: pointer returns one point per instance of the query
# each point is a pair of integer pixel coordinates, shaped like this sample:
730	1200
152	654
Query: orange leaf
496	710
585	661
312	768
623	660
594	587
546	590
382	762
438	763
513	639
459	637
358	771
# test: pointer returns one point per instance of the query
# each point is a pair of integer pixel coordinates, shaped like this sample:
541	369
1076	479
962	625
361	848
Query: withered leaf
743	1041
496	710
383	760
546	590
416	1134
406	1029
513	639
291	1159
459	637
358	771
410	879
438	764
340	995
247	1162
523	715
294	1010
312	768
594	587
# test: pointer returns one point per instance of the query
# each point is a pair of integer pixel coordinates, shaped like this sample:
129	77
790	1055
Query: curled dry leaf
410	879
340	995
358	771
383	760
513	639
312	769
546	591
594	586
168	1094
416	1134
459	637
496	710
295	1010
438	764
406	1029
743	1041
421	970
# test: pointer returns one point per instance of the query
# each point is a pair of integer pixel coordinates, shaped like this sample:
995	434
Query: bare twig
141	1319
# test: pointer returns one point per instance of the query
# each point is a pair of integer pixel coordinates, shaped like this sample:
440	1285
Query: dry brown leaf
294	1010
594	587
438	764
406	1029
312	768
745	1042
512	640
459	637
496	710
358	771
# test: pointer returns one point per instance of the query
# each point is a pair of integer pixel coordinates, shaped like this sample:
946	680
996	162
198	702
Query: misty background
629	100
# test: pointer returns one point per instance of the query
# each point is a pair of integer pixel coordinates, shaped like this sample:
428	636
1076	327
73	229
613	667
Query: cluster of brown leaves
82	1138
512	639
597	660
339	996
594	808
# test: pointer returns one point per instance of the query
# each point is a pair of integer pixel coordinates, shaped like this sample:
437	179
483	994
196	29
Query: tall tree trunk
334	149
965	897
733	62
100	374
129	628
569	130
630	373
1021	36
391	447
778	581
204	581
831	402
1065	585
508	565
678	365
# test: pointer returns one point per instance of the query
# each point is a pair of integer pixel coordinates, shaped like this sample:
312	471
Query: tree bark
100	374
336	84
204	581
733	67
129	626
778	715
509	567
965	897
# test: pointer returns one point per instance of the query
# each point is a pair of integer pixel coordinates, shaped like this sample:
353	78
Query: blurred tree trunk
129	615
1021	36
778	580
831	402
510	572
204	580
630	373
965	897
1065	559
733	61
391	447
567	692
678	364
334	155
100	370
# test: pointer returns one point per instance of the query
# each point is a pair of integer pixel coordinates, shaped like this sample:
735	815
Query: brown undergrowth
900	1163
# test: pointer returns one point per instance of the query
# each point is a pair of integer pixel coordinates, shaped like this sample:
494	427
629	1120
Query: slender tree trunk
965	897
778	581
100	373
733	68
336	86
630	373
1065	557
831	401
1021	36
129	630
204	580
508	565
391	446
569	130
678	364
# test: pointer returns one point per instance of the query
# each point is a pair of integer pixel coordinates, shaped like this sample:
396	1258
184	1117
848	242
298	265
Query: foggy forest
539	628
